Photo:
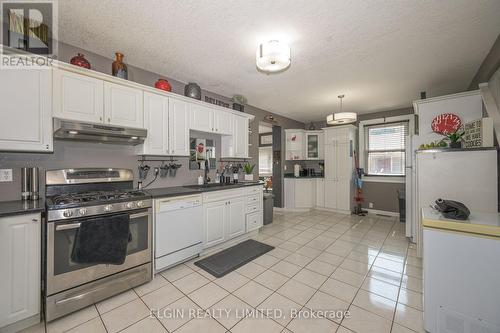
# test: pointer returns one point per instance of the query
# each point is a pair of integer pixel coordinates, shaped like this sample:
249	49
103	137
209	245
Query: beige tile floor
322	262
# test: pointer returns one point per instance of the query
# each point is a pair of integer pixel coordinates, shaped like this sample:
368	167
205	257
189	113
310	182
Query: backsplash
81	155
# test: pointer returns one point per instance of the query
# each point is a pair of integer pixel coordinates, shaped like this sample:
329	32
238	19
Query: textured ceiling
379	53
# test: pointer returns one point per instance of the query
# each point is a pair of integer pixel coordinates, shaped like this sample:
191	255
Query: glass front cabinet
314	145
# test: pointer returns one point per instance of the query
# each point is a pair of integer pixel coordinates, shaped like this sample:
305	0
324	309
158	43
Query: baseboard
296	210
21	325
381	212
340	211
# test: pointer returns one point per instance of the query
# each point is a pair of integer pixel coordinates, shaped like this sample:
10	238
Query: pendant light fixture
341	117
273	57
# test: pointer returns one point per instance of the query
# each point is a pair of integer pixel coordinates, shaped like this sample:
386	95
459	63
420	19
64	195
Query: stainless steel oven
63	273
70	285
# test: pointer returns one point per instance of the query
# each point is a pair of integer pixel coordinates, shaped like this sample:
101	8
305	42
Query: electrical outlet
370	205
5	175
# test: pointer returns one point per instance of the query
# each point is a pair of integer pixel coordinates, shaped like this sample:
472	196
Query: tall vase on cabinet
119	69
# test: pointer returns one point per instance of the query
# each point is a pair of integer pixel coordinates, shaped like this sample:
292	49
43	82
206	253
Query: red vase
79	60
163	85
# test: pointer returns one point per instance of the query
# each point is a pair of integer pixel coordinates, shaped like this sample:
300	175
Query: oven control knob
139	203
108	208
130	205
68	213
82	211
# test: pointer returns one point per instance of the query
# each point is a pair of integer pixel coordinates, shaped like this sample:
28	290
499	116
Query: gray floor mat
226	261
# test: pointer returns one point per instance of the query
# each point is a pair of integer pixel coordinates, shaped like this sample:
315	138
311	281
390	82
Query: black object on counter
102	240
452	209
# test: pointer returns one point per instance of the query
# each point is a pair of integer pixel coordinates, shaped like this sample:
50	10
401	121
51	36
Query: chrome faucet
206	179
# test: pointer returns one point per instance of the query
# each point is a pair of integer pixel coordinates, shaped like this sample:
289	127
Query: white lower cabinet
215	216
300	193
254	221
320	192
236	224
20	258
226	216
26	123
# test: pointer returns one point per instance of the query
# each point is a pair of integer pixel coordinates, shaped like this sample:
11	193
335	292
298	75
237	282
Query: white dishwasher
178	230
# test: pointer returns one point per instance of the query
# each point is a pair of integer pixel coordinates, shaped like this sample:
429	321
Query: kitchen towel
102	240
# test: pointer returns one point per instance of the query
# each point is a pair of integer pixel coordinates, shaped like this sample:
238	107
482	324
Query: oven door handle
134	216
68	226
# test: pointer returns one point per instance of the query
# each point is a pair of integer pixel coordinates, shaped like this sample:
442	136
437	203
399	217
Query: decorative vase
119	69
455	144
249	177
163	85
192	90
79	60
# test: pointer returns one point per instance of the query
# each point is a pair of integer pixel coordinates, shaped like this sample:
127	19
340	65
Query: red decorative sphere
163	85
79	60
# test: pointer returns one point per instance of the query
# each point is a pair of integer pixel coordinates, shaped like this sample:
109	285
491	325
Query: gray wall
77	154
489	66
382	195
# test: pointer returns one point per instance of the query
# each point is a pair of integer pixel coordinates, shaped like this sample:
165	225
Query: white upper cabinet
26	123
294	144
223	122
123	105
78	97
20	259
178	119
240	136
201	118
156	122
314	145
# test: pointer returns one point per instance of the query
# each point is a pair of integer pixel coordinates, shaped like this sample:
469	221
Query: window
265	161
385	149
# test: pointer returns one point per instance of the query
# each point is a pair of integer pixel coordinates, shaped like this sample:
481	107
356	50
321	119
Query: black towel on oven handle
102	240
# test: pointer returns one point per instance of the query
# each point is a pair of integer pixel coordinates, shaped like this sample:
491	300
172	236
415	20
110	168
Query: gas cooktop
93	198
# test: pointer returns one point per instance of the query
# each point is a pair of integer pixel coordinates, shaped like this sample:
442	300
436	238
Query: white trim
440	98
381	212
384	179
361	143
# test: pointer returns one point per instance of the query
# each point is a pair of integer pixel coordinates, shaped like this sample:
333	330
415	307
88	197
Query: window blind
265	161
385	149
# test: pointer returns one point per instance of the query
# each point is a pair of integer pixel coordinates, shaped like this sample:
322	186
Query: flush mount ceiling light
341	117
273	57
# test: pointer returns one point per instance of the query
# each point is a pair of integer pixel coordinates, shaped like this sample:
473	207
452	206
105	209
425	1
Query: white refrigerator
468	176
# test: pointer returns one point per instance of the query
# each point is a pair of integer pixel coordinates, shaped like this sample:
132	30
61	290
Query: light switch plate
370	205
5	175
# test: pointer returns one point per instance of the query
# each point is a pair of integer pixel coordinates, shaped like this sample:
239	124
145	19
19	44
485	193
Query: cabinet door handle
109	120
100	118
34	220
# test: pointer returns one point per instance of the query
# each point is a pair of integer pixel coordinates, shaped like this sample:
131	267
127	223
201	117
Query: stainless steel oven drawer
79	297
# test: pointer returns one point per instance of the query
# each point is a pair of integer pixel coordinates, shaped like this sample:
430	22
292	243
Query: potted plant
455	139
248	169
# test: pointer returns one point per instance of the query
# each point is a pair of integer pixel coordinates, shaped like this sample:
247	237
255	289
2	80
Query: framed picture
265	140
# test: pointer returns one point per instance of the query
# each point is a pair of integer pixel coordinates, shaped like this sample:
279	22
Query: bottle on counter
217	176
235	177
200	180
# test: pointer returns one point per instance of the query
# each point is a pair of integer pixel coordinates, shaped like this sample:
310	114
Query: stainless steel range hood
80	131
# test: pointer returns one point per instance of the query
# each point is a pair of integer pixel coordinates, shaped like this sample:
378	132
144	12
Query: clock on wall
446	123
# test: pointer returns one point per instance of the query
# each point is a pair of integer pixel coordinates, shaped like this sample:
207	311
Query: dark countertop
182	190
20	207
290	175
